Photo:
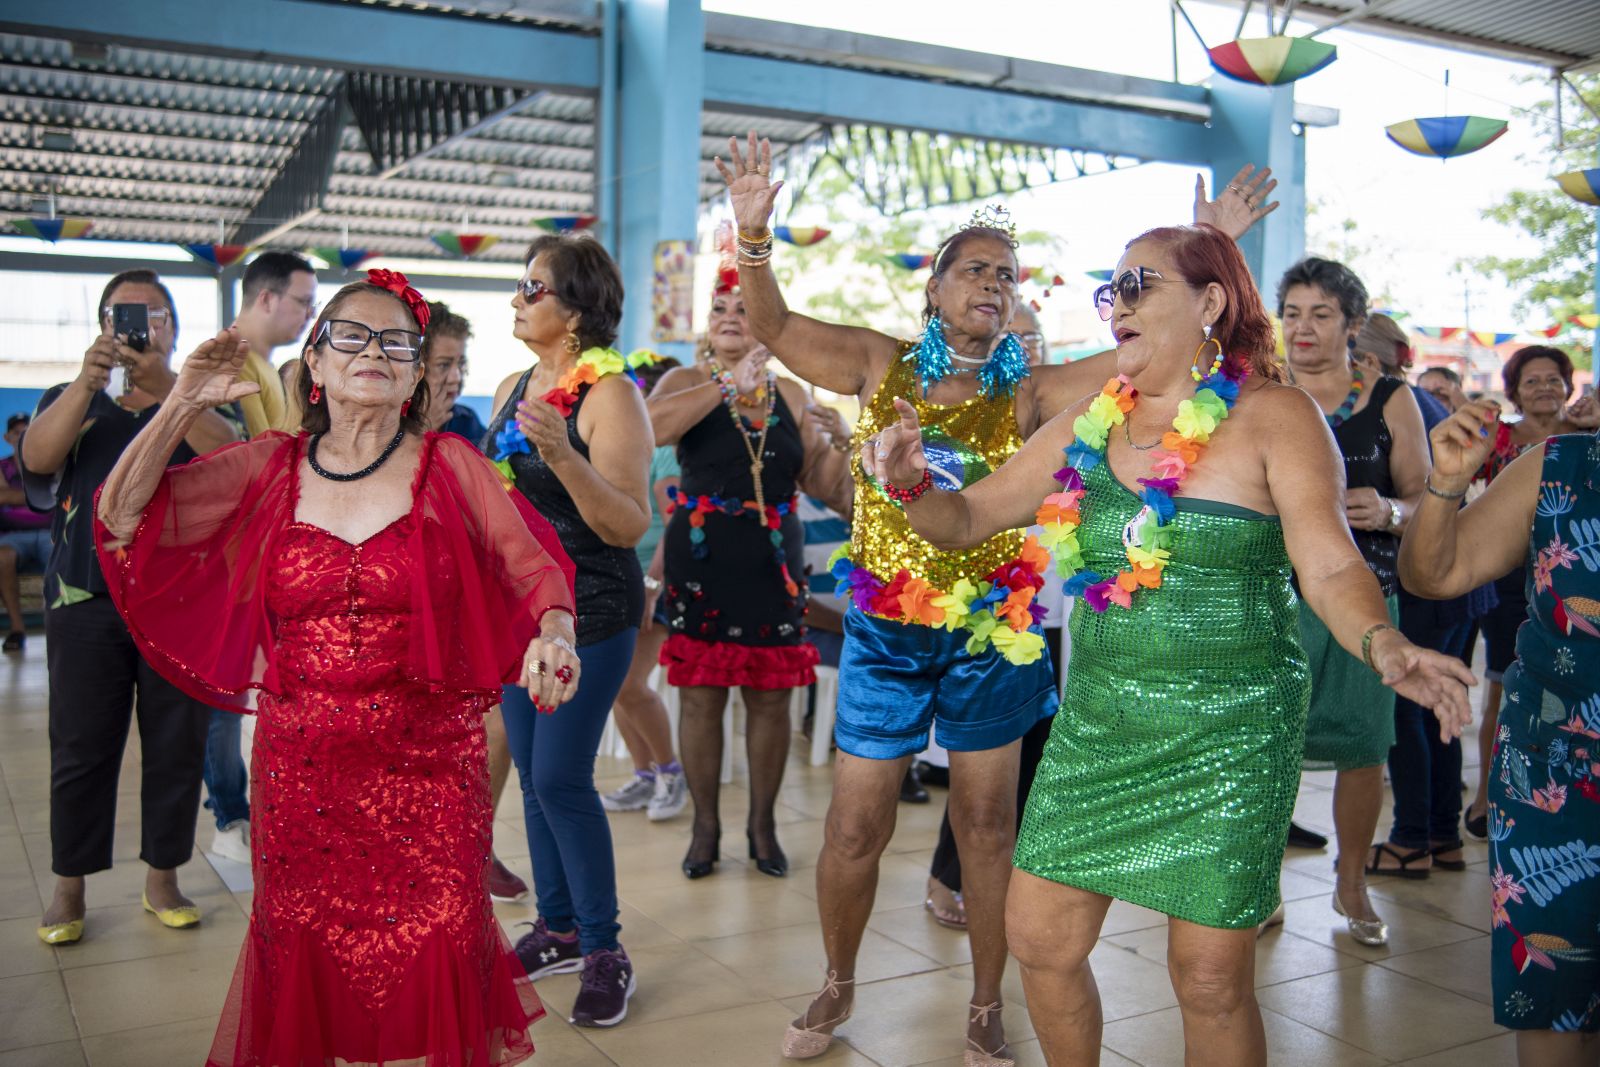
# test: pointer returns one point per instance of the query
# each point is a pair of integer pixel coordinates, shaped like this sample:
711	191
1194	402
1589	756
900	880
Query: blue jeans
227	784
569	839
1424	771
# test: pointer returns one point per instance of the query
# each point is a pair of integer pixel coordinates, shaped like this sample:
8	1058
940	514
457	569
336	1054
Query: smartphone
132	321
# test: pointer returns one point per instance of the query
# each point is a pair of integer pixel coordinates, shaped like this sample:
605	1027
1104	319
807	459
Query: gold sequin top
963	442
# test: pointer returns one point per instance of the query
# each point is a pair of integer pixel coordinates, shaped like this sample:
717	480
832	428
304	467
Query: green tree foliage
1558	278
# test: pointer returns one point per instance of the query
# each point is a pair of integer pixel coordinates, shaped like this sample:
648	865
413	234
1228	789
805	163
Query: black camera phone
132	321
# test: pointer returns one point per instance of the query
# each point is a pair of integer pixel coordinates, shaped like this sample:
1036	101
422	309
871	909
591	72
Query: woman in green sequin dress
1174	761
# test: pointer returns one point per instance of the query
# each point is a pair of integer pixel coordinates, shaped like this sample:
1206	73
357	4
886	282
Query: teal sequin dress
1544	785
1173	764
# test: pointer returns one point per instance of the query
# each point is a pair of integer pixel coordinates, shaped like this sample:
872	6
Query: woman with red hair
1195	481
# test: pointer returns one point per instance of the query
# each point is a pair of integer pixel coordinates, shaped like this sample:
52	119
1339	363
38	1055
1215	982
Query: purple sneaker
543	954
608	982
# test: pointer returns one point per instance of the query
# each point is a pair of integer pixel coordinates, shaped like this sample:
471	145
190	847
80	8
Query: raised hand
750	373
210	376
1585	411
1429	678
1240	205
1461	443
542	423
895	455
95	374
750	184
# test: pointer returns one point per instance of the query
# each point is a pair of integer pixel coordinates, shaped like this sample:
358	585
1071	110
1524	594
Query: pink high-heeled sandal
806	1042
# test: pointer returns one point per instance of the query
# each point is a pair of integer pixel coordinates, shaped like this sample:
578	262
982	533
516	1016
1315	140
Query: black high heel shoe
777	866
693	868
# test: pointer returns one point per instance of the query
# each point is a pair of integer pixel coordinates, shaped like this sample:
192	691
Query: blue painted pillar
1255	124
661	78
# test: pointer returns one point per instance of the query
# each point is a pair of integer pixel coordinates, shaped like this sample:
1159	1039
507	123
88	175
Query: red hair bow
400	286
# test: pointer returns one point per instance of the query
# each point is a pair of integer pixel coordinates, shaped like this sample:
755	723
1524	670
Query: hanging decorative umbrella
910	260
1551	331
463	244
53	229
1489	339
1442	333
346	259
1582	185
565	223
1100	275
1446	136
1271	60
802	236
220	256
1589	321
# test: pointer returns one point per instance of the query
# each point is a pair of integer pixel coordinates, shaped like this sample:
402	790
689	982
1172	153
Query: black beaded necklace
383	457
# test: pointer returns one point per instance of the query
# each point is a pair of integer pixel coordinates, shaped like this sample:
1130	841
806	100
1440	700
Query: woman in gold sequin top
919	652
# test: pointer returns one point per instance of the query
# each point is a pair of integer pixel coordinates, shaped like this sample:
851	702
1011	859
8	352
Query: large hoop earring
1199	358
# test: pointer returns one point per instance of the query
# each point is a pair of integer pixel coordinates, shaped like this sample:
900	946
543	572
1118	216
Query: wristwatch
652	583
1395	515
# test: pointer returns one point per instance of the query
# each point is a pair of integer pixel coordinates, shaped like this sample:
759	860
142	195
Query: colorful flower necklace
1147	540
591	366
1349	405
1000	373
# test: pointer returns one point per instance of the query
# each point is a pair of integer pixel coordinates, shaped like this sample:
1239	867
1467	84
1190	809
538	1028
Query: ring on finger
537	666
564	675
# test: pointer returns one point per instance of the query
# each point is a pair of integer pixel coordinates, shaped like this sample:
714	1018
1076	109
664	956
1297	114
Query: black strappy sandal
1448	865
1405	859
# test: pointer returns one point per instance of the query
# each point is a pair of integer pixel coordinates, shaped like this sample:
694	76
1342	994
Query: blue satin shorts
896	680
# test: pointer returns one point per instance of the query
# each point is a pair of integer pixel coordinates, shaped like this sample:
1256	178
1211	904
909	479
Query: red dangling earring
405	409
316	394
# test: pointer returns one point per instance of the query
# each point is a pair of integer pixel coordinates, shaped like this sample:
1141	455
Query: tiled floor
726	962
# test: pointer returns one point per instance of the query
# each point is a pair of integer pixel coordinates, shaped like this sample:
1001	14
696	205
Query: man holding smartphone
97	676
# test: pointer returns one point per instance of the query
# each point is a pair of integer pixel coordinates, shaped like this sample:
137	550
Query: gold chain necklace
759	449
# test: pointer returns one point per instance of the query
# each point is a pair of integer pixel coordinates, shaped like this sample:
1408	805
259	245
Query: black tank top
714	462
1365	441
609	582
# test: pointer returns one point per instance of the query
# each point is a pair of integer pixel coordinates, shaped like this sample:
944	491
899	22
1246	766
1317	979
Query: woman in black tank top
1377	427
571	434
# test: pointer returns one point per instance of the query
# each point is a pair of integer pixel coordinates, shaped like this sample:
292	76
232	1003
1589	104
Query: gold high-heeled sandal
976	1056
805	1042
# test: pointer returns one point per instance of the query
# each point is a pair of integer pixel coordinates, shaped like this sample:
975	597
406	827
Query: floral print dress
1544	810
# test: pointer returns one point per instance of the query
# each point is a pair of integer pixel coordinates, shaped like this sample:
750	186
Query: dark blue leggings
569	839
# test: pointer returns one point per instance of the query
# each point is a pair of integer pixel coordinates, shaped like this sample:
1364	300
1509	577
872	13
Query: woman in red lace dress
371	586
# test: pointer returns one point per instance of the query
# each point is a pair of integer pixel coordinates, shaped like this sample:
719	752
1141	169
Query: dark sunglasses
343	335
1128	285
533	290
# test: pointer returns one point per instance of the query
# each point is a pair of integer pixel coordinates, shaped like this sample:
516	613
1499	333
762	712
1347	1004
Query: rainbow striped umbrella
1589	320
1100	275
346	259
463	244
1443	333
1271	60
565	223
910	260
1582	185
1488	338
53	230
800	235
1447	135
218	255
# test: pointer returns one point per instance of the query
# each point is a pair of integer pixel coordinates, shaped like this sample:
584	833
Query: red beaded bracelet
905	496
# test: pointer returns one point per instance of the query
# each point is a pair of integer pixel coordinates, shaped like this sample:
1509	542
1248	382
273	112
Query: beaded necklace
1343	411
1147	539
383	457
749	427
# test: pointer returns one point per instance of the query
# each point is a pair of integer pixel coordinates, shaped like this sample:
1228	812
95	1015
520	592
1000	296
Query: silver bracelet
1428	485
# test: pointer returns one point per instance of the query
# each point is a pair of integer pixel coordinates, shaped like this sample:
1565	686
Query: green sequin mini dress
1173	764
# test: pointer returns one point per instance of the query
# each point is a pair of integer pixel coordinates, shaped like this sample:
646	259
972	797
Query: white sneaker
634	796
233	842
671	795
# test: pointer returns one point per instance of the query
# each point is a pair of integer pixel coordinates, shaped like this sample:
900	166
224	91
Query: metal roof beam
830	94
298	189
343	36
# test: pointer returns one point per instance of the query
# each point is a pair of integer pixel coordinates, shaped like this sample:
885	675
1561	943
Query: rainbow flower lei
591	366
1150	545
999	611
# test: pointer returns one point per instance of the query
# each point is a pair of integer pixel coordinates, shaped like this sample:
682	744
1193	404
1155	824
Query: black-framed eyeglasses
533	290
156	316
1128	285
343	335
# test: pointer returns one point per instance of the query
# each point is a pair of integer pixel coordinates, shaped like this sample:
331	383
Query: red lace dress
372	939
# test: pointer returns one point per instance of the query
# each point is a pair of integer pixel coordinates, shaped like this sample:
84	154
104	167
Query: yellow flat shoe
66	933
180	918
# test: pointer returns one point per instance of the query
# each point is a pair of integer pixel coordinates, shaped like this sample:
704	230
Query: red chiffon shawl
190	582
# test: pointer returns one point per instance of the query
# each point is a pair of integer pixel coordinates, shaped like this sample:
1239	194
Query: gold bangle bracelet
1366	643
